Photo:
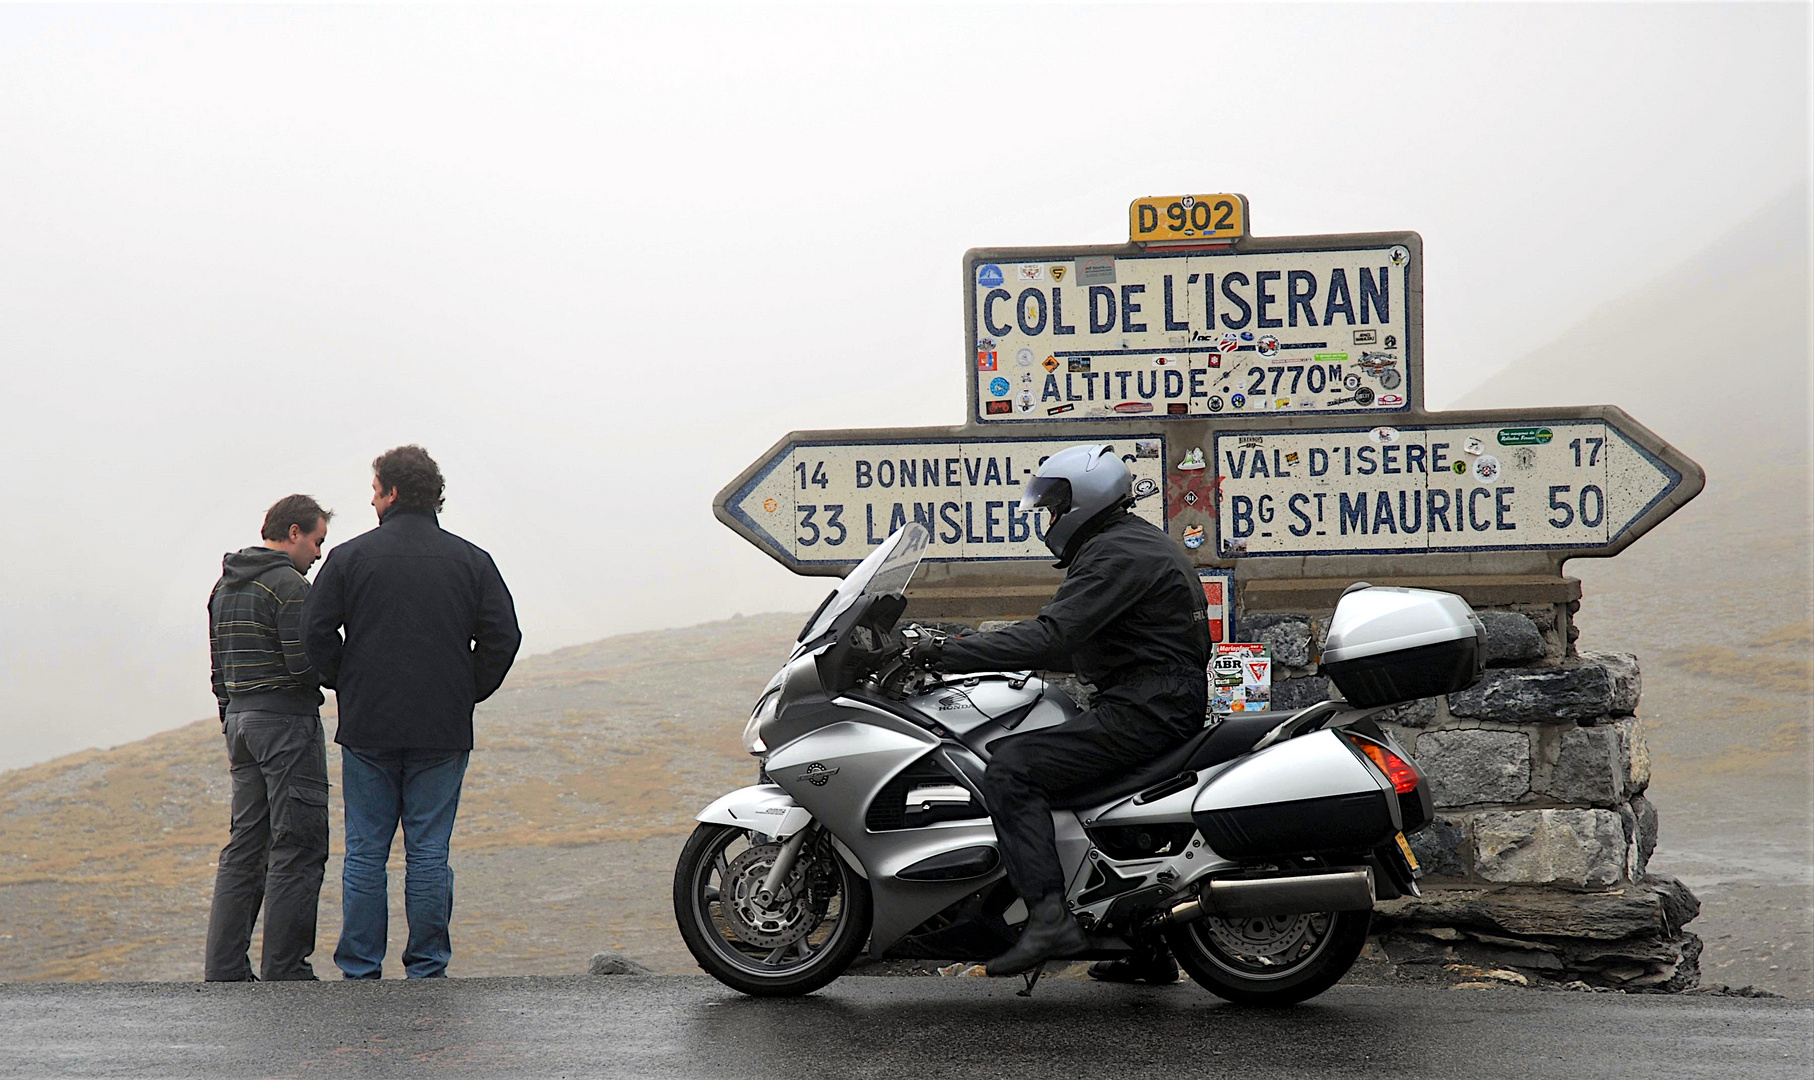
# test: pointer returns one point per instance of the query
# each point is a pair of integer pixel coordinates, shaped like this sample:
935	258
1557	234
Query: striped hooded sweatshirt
255	634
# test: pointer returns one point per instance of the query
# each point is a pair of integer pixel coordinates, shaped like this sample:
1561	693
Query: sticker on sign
821	503
1564	484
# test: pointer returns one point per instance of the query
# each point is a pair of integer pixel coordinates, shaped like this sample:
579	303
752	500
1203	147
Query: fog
597	261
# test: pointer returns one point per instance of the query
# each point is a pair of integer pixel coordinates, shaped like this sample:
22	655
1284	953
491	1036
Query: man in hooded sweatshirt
270	711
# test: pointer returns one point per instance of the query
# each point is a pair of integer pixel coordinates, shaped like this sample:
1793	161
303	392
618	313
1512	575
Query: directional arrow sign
825	499
1585	482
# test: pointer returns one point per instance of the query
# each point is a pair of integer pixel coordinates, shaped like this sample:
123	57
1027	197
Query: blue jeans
419	789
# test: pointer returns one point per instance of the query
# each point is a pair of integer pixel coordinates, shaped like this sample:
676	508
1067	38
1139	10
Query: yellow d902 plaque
1172	218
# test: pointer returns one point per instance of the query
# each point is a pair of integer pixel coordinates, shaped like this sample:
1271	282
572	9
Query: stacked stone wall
1538	857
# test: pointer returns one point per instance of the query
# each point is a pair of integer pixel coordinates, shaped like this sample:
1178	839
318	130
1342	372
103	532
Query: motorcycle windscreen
1312	795
886	571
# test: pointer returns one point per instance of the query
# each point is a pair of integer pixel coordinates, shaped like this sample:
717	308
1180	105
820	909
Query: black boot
1051	933
1149	964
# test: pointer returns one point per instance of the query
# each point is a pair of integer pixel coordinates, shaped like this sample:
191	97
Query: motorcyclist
1129	619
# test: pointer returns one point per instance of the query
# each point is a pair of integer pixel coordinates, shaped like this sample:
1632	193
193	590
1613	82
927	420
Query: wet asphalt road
881	1027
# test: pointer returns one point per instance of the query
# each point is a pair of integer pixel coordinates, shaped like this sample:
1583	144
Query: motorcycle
1256	850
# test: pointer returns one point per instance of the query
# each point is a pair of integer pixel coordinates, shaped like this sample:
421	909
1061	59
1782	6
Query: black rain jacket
1129	618
430	631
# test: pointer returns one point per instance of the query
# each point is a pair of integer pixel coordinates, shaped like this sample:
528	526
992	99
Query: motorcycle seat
1228	740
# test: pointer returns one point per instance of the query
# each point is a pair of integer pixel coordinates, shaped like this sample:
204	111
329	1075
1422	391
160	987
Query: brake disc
1269	942
781	919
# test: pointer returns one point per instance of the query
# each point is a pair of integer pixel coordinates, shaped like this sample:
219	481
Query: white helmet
1075	485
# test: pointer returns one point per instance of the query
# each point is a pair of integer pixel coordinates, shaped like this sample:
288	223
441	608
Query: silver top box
1373	621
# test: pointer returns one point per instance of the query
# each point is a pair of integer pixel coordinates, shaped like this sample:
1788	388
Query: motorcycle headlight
752	730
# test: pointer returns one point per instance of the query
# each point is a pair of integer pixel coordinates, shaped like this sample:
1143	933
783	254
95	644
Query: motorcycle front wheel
791	942
1275	961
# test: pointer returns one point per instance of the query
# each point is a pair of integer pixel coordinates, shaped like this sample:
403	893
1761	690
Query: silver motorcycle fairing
965	704
852	760
763	808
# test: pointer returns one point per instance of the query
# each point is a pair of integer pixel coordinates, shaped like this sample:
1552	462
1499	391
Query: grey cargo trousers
278	848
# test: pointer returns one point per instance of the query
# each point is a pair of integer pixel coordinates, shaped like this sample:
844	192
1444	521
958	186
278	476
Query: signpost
1267	393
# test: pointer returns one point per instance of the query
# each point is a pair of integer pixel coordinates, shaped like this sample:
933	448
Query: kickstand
1032	978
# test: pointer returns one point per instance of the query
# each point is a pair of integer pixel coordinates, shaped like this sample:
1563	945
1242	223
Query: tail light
1401	772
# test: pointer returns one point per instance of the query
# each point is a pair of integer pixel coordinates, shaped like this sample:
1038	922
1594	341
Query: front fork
784	865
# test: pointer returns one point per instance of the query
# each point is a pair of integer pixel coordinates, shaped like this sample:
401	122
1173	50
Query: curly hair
413	475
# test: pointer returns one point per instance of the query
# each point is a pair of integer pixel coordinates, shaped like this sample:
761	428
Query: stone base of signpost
1538	858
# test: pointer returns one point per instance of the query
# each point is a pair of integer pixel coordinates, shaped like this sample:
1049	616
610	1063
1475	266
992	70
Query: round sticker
1215	403
1461	467
1351	381
1024	358
1268	345
1400	255
1486	468
999	386
1239	401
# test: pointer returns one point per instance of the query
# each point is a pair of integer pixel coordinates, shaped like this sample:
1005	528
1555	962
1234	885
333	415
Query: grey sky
597	261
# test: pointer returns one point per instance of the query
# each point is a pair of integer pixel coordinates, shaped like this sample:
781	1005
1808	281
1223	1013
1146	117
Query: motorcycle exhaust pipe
1346	890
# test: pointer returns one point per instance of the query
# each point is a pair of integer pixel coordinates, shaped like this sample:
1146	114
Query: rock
1635	750
1495	973
1627	682
1287	636
1585	767
1635	910
1511	638
1545	695
1680	905
1513	956
1513	943
1299	693
1580	848
1645	829
1419	713
1473	766
612	963
1442	848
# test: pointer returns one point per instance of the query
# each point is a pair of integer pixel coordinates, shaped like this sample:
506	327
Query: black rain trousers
1131	724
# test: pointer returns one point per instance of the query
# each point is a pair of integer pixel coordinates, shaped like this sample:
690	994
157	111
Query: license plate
1405	847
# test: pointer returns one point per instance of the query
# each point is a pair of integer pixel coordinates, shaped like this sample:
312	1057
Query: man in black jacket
430	630
270	712
1129	619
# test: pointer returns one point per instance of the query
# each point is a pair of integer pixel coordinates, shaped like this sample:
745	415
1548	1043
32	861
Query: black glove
927	652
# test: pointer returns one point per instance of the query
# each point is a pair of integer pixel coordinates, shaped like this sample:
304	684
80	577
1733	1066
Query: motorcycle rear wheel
782	950
1270	962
